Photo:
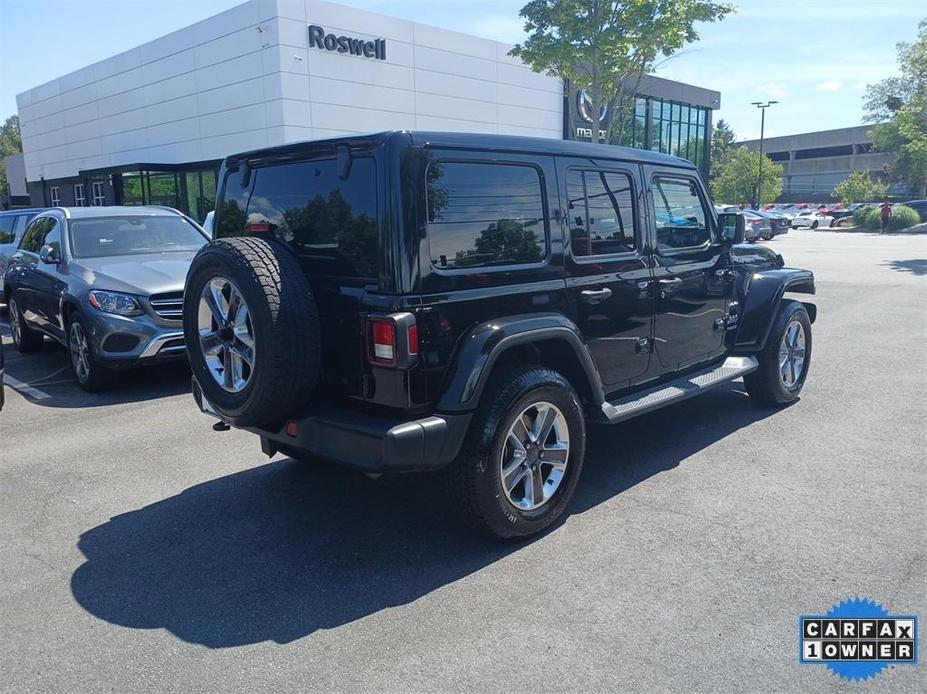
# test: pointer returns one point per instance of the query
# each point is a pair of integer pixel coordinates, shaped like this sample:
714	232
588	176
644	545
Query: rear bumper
364	441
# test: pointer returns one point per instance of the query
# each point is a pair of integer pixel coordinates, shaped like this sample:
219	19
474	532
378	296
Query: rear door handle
595	296
672	282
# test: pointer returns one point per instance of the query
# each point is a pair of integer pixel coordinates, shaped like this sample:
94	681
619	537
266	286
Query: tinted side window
6	229
331	223
53	236
601	207
482	214
35	234
681	218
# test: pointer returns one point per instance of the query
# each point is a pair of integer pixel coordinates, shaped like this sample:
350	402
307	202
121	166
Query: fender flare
480	349
761	298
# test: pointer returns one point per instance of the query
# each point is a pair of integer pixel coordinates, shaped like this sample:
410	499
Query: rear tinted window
482	214
331	223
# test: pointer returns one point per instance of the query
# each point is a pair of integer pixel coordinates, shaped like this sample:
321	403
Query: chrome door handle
595	296
672	282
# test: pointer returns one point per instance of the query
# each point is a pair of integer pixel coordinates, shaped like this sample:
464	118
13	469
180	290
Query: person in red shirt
886	215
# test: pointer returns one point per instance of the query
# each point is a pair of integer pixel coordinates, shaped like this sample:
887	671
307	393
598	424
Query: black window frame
635	207
707	208
512	267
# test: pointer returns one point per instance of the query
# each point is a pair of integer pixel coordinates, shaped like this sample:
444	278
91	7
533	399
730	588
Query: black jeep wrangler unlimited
414	301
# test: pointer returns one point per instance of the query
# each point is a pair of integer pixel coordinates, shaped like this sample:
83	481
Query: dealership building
151	125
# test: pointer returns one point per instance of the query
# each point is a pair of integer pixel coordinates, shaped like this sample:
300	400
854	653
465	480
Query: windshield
98	237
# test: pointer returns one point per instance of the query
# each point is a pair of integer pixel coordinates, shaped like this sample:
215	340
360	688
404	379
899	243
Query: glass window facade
669	127
191	192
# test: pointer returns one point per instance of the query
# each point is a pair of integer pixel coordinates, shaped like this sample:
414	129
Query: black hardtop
467	141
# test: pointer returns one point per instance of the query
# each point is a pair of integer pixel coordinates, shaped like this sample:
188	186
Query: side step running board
678	390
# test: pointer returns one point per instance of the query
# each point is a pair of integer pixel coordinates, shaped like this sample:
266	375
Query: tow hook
220	426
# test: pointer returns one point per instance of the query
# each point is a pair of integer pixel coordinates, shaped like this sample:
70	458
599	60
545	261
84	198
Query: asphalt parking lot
141	550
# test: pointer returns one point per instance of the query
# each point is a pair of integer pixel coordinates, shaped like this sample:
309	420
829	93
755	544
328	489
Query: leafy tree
607	46
10	143
722	140
736	174
859	187
899	107
503	241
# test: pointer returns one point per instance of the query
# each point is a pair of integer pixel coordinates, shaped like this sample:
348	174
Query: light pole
759	175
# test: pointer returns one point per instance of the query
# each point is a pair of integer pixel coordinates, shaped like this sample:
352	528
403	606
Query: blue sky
813	56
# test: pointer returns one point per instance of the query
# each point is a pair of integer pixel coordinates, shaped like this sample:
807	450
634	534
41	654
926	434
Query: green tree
503	241
607	46
898	106
722	140
736	177
10	143
859	187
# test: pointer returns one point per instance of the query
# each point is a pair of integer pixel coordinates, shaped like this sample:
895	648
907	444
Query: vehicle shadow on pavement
916	266
279	551
44	378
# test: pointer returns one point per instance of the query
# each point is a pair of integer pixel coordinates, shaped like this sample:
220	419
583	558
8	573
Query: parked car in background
756	227
919	206
207	223
2	369
12	225
778	223
105	282
813	219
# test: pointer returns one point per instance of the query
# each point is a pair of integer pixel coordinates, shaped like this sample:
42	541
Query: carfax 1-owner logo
857	639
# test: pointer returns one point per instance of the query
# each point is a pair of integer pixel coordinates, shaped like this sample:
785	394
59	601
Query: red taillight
413	339
292	429
259	228
382	341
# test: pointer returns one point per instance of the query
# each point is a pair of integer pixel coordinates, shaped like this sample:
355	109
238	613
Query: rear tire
25	338
275	312
814	225
785	360
483	482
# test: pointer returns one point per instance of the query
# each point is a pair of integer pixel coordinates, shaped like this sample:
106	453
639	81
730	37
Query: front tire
25	338
814	225
88	372
523	455
785	360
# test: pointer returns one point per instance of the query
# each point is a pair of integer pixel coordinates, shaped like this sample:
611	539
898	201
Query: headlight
114	302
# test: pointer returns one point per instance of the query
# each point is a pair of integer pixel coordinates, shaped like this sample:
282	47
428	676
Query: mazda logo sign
584	107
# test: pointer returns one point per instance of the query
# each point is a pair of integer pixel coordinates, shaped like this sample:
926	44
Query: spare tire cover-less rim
226	334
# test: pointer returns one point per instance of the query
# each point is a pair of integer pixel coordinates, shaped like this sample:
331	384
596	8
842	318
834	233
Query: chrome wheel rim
792	354
534	456
80	351
226	334
14	321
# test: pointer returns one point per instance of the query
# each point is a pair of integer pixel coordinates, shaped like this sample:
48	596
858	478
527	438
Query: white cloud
829	86
772	89
859	86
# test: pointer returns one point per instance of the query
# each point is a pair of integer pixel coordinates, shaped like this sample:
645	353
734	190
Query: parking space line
25	388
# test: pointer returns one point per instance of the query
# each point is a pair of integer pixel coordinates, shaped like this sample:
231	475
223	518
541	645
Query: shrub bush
865	216
902	218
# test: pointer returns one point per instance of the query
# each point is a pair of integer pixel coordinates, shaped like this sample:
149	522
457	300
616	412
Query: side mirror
49	255
732	226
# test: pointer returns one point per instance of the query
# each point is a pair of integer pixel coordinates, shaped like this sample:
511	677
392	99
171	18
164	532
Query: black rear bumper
365	441
368	442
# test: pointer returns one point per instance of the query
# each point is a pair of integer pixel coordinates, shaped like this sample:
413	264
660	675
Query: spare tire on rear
251	327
